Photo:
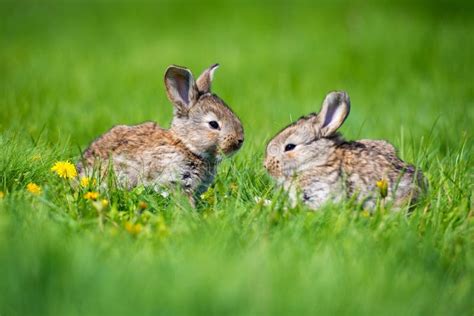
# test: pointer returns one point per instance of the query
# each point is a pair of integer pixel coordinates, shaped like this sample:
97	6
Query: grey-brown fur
323	166
187	154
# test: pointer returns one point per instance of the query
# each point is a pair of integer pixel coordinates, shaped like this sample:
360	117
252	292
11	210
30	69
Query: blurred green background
69	70
76	68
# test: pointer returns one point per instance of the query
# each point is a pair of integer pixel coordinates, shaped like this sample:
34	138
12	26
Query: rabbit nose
236	144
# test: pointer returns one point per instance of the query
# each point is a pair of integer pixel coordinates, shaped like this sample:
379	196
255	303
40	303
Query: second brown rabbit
313	163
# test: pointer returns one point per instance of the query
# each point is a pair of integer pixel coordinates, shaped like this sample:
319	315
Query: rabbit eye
289	147
214	125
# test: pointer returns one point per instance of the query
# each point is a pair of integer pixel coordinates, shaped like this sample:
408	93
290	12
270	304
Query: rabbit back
366	162
353	170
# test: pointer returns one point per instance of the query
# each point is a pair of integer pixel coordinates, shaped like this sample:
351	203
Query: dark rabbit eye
214	124
289	147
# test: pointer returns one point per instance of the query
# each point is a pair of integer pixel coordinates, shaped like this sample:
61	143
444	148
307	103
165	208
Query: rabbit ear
205	79
181	88
334	111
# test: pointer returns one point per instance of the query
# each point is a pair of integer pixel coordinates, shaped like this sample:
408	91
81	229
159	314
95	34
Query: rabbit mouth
231	149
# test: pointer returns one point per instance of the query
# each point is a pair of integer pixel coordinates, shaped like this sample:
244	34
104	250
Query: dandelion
104	202
138	228
33	188
2	195
99	205
91	195
64	169
142	205
382	184
133	229
86	181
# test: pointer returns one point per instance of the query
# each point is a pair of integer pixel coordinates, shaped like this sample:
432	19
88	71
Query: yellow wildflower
142	205
91	195
65	169
133	228
104	202
33	188
365	213
382	184
138	228
2	195
98	205
86	181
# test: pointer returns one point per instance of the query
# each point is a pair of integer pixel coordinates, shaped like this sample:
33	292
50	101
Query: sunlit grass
70	245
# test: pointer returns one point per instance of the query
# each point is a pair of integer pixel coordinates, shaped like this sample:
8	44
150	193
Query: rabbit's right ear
205	79
334	111
181	88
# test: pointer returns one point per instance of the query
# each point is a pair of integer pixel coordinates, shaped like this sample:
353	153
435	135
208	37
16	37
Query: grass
69	71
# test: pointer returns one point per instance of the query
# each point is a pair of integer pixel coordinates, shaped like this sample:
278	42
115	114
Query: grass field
71	70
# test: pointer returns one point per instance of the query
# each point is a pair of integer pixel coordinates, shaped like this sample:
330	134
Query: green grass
69	71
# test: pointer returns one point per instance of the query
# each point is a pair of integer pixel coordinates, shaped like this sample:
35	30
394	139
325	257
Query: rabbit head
202	121
309	141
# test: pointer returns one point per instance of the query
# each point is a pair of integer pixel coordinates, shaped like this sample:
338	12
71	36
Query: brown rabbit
203	130
315	164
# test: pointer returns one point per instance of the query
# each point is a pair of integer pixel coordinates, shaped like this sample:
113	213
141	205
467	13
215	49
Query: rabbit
203	131
315	164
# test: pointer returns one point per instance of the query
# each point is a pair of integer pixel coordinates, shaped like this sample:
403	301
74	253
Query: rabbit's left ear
334	111
181	88
205	79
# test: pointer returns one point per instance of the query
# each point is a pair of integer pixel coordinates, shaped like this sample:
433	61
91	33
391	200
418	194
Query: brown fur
187	154
323	166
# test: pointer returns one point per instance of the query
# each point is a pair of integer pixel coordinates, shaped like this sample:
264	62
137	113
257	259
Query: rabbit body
316	165
152	156
203	131
353	169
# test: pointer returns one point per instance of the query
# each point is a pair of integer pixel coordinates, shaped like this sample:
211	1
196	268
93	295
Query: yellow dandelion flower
99	205
129	226
64	169
86	181
142	205
138	228
91	195
33	188
382	184
133	229
2	195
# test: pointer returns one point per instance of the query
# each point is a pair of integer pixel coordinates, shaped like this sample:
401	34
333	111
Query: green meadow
70	70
